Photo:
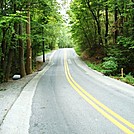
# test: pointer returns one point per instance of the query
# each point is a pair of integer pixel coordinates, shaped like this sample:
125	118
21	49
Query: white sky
64	4
62	1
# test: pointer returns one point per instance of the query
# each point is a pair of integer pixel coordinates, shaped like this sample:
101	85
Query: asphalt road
72	99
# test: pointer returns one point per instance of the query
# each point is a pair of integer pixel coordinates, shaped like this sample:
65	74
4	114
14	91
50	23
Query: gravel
9	92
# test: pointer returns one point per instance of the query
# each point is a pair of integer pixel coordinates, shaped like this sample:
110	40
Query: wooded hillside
104	29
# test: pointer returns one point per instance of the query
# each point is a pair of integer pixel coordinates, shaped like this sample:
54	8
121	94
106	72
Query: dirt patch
38	65
94	56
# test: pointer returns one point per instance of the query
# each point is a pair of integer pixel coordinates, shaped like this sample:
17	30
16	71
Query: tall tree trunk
115	21
3	46
15	64
106	23
133	19
21	52
3	43
12	47
1	5
8	67
29	48
99	27
121	20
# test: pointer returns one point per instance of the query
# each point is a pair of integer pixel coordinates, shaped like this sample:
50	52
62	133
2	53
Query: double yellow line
115	118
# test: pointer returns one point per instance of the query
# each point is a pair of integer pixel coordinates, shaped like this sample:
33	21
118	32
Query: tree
105	28
29	47
16	39
106	22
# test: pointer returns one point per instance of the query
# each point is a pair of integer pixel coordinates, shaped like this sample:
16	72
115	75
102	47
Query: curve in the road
126	126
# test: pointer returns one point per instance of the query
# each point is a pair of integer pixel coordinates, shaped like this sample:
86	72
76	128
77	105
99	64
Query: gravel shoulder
11	90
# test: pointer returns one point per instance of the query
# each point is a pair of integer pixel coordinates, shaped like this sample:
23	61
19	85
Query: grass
77	50
127	78
97	67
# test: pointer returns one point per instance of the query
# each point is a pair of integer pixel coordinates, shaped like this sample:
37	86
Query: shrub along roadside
128	79
100	68
108	67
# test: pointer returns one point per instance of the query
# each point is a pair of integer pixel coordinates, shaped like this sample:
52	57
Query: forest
104	32
101	30
25	26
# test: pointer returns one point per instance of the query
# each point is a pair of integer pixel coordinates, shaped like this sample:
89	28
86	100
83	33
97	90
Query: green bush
128	79
110	66
94	66
78	50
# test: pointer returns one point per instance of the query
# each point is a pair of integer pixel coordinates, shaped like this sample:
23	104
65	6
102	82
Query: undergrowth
100	68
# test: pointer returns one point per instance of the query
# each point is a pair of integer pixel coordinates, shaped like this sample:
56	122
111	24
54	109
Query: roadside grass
99	67
127	78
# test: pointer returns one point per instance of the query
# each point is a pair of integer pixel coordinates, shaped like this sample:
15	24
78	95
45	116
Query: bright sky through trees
65	5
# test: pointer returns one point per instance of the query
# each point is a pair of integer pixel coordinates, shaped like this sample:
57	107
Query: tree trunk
133	19
1	4
9	64
106	23
29	48
3	46
21	53
3	43
11	48
121	20
99	27
14	43
115	21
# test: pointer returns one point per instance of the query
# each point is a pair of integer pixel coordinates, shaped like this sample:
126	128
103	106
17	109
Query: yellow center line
96	104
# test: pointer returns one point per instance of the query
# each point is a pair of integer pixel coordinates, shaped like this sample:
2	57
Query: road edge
18	118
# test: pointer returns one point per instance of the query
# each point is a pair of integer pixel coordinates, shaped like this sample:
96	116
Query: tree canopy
105	28
24	25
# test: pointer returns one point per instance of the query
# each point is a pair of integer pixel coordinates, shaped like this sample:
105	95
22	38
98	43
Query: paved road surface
71	99
67	97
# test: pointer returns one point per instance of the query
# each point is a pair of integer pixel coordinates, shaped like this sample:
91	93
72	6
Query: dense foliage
105	28
24	25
